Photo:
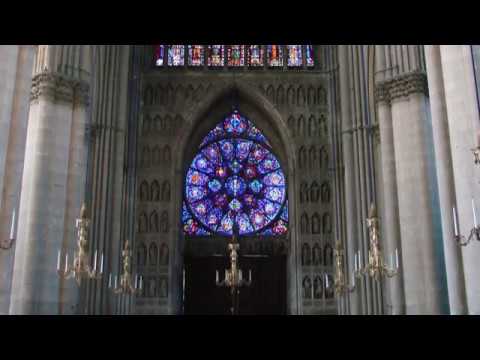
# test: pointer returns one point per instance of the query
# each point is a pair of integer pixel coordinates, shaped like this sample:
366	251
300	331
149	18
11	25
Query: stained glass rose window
235	182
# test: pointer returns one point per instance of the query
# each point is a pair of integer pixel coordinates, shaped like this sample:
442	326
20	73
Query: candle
101	265
216	277
356	262
474	214
359	260
455	221
115	282
95	262
396	257
58	261
109	281
66	263
136	281
12	229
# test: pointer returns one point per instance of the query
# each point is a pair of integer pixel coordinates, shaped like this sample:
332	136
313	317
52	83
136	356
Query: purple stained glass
235	180
276	179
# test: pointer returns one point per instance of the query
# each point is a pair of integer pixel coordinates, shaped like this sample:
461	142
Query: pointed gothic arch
315	223
155	190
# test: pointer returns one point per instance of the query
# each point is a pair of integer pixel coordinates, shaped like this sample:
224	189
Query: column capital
402	86
59	88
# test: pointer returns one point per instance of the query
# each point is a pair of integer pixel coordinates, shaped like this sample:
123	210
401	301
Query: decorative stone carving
402	86
59	88
307	287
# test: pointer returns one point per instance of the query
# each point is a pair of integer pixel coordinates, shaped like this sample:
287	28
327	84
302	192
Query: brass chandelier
80	268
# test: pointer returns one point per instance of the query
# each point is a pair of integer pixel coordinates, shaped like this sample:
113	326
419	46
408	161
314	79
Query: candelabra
126	282
474	232
233	276
340	282
7	244
376	267
80	268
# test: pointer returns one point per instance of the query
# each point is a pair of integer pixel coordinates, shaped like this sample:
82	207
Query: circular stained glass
235	182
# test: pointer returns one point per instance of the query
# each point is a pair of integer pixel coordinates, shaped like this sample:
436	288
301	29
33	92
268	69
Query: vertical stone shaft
12	151
390	224
446	183
464	125
50	200
347	141
409	118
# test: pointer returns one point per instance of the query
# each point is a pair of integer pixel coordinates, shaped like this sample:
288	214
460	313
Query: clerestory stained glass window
159	55
235	55
195	55
176	55
235	182
215	55
255	55
294	55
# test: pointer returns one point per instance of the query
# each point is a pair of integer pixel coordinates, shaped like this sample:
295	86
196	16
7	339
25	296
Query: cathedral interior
239	180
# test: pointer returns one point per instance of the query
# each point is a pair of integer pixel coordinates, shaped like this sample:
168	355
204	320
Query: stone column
464	125
51	184
347	143
418	258
14	124
446	183
390	224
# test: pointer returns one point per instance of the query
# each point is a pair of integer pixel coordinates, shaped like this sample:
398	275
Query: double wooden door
266	295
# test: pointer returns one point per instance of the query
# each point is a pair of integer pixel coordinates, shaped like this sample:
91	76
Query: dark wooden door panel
266	295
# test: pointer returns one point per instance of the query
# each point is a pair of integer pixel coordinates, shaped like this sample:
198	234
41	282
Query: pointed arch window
195	55
294	53
159	55
215	55
235	179
176	55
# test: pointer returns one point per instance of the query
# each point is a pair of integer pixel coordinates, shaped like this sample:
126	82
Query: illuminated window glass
195	55
275	55
215	55
309	55
235	182
255	55
294	55
235	55
159	55
176	55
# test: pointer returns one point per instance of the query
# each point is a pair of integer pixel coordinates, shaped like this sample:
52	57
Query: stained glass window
235	182
309	55
195	55
255	55
215	55
275	55
235	55
159	55
294	55
176	55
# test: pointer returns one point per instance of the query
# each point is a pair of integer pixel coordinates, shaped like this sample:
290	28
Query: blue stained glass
201	163
235	124
275	194
294	55
243	149
235	205
284	215
235	179
268	164
214	185
235	186
276	179
244	225
227	149
212	152
195	177
256	186
309	55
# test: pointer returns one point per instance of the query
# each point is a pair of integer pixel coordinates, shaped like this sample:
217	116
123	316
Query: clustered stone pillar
16	64
463	128
53	180
446	181
406	94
